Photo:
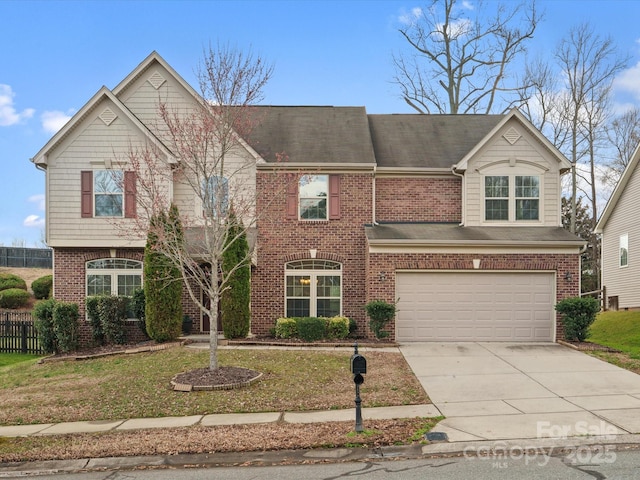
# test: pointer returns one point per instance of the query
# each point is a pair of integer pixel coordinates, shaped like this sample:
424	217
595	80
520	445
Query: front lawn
619	330
7	359
136	386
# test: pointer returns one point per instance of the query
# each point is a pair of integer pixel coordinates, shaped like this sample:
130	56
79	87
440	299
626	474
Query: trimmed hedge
14	298
578	313
286	328
42	287
311	329
9	280
65	325
107	315
43	314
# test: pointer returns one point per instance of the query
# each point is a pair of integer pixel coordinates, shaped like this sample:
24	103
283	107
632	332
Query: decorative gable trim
512	162
107	116
156	80
512	135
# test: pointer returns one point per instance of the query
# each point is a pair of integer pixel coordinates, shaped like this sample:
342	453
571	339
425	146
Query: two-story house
454	217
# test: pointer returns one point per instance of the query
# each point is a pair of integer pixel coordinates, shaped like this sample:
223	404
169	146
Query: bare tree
588	64
459	64
624	135
204	157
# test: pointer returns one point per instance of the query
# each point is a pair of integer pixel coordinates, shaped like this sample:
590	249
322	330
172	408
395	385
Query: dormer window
215	197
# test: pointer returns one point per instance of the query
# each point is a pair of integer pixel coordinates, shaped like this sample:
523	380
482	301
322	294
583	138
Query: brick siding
421	199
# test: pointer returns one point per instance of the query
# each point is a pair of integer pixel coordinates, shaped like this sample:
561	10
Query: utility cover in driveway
475	306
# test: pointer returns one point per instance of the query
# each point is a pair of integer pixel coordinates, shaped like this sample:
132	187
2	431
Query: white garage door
475	306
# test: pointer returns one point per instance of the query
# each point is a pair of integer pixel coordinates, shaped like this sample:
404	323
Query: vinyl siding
528	153
86	148
623	281
143	99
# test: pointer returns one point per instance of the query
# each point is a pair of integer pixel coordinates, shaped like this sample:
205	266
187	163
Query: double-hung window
314	193
108	193
511	198
215	196
313	288
624	250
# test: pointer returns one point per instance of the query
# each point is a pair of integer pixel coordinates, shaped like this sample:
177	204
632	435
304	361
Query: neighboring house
454	217
619	226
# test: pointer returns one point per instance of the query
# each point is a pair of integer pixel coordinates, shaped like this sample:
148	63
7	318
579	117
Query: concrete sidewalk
378	413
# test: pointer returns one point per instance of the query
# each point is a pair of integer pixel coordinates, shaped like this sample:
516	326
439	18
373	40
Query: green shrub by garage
14	298
9	280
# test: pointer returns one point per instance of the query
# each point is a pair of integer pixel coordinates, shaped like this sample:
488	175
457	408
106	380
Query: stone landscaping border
186	387
128	351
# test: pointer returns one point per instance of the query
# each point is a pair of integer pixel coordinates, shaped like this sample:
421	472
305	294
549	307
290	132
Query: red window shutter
86	193
334	197
292	197
130	194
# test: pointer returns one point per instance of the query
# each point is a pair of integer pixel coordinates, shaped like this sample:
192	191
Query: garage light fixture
568	276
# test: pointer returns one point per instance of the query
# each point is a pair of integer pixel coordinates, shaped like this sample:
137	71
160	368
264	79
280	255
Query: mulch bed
222	378
588	346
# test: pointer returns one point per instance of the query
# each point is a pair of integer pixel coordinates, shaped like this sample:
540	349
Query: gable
629	173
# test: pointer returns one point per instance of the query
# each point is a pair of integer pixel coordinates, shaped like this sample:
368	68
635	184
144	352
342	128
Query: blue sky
56	54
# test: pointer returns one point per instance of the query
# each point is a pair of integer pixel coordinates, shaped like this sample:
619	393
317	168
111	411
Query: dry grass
137	386
27	274
236	438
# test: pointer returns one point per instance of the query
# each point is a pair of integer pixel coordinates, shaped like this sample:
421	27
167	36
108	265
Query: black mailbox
358	364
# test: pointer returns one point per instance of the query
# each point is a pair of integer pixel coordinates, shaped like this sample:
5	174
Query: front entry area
475	306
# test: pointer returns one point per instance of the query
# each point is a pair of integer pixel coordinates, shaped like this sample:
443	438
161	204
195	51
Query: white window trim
623	243
95	192
300	198
512	199
312	274
113	272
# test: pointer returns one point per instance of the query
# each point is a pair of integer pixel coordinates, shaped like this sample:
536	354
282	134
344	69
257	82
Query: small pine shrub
42	287
9	280
578	313
137	305
43	315
14	298
65	325
338	327
112	311
380	313
311	329
286	328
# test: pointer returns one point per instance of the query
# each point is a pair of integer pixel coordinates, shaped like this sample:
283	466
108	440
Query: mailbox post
358	369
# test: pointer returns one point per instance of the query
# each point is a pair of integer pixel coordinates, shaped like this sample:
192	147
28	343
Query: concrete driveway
500	391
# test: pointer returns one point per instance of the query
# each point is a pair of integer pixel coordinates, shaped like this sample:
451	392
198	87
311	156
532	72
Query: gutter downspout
464	195
373	197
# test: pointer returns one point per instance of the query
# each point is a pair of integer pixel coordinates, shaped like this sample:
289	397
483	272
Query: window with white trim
624	250
215	196
511	198
313	288
314	193
108	193
113	276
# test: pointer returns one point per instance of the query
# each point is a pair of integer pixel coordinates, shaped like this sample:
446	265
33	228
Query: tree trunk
213	333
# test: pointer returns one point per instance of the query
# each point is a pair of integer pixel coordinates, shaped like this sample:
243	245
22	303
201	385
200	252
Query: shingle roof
427	141
452	234
315	135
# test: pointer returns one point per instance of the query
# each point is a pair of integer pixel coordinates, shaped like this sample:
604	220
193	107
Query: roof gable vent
107	116
156	80
512	135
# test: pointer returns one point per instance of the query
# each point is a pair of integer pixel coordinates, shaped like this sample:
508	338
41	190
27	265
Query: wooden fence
18	333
